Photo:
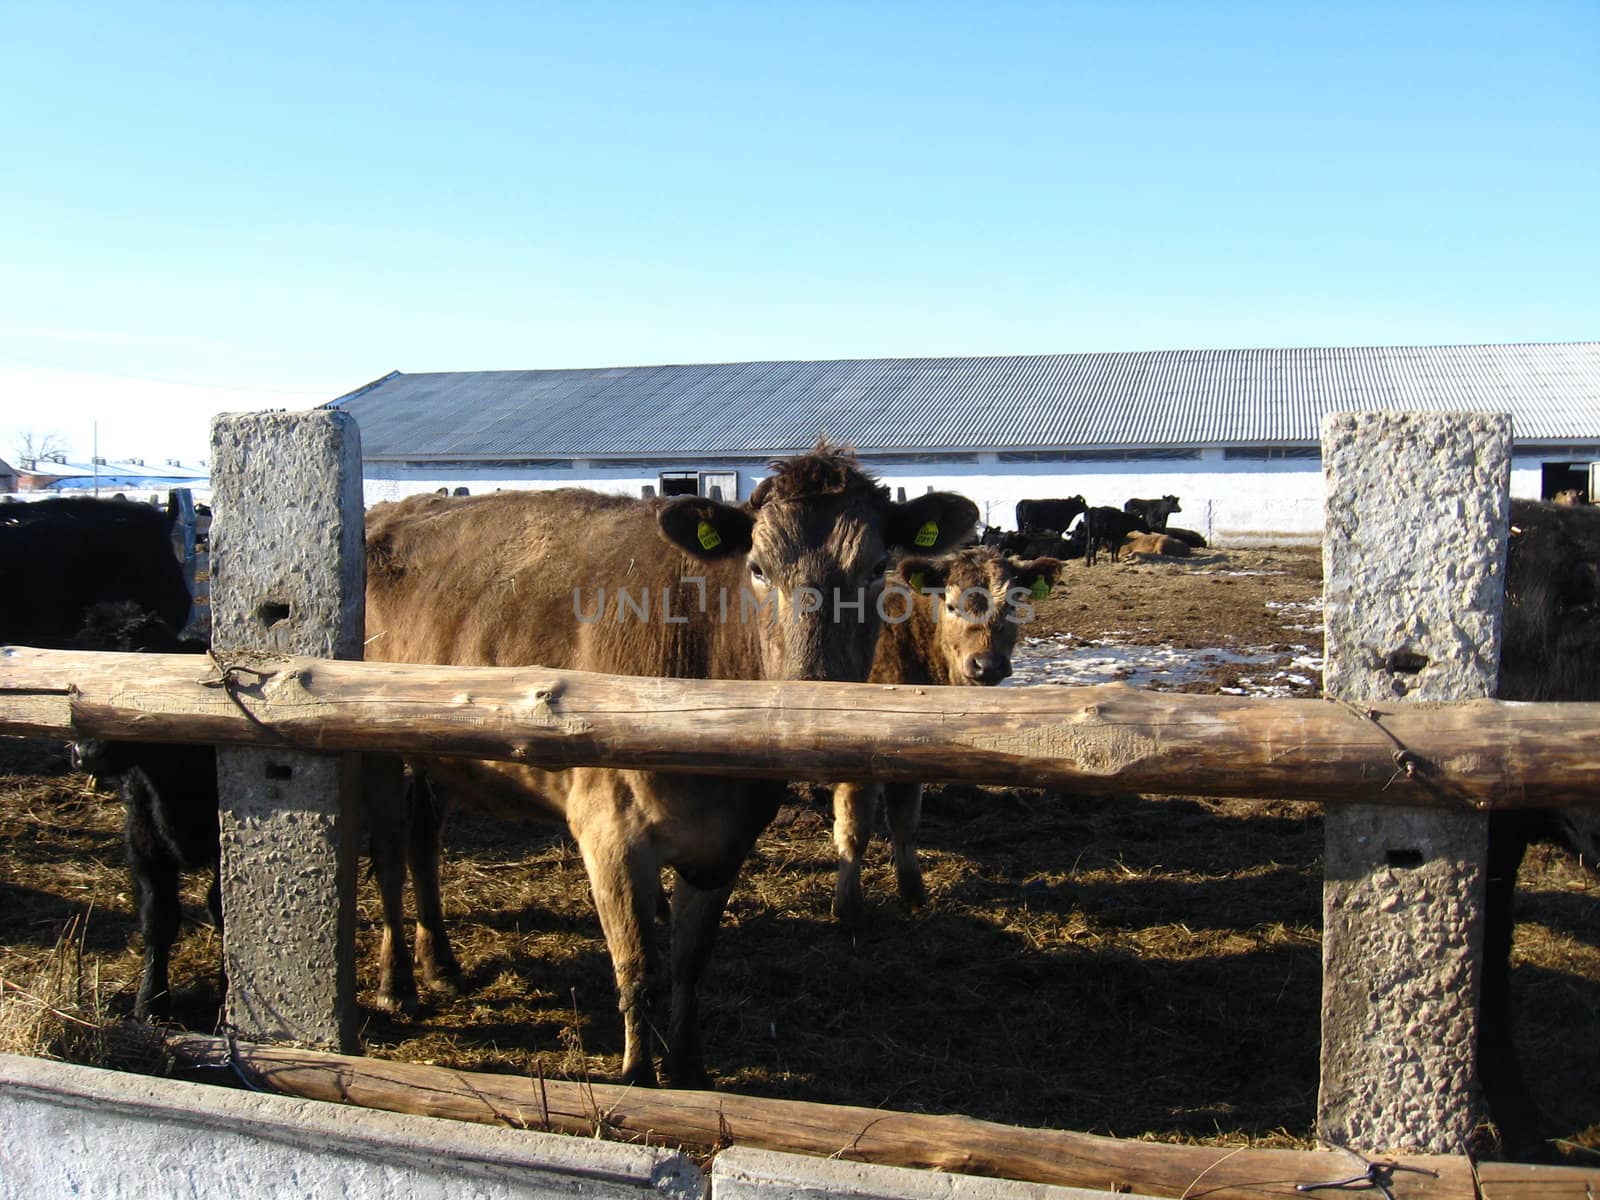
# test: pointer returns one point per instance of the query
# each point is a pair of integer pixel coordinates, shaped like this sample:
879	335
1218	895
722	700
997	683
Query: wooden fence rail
1481	754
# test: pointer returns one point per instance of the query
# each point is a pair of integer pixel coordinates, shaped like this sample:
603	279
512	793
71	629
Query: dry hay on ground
1147	968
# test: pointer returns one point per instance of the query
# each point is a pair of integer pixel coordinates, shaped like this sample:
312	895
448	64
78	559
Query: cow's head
816	538
986	600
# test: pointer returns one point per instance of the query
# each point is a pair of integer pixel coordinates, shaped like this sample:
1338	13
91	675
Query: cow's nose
988	668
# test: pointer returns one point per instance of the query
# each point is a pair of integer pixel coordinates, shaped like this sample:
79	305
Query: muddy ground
1119	964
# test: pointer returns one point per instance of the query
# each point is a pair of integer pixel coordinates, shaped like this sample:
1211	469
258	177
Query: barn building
57	475
1233	433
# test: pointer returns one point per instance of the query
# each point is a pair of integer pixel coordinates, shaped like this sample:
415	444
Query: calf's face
986	600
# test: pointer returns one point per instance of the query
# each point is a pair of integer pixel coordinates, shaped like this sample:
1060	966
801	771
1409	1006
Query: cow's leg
625	879
698	898
855	807
155	889
388	824
696	914
435	958
905	814
1504	1088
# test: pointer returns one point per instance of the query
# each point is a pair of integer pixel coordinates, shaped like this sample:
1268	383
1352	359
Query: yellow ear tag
927	535
710	539
1040	588
916	581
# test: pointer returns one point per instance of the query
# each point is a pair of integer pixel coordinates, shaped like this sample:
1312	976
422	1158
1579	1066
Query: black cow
1044	543
1153	513
1551	651
61	558
1109	527
1188	537
1049	514
169	794
1035	543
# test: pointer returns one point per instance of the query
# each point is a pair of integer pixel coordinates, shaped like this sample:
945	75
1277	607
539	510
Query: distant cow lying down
963	634
515	578
1158	544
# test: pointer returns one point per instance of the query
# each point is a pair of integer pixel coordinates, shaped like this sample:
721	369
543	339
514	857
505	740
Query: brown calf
1158	544
686	588
962	634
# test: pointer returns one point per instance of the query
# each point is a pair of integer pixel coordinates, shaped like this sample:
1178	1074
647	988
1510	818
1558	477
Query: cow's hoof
689	1079
644	1076
153	1003
848	906
400	1004
446	980
912	890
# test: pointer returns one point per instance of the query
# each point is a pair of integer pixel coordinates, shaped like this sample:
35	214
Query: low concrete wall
77	1131
743	1174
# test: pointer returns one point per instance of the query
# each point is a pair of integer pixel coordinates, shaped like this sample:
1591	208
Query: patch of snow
1062	660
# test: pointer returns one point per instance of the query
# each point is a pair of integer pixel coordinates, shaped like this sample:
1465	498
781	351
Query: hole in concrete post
270	612
279	771
1404	859
1404	662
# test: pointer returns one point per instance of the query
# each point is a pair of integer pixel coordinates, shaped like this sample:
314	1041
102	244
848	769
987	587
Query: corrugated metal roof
1055	401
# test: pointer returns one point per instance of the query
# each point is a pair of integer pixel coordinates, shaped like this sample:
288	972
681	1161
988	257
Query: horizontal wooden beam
1477	754
875	1135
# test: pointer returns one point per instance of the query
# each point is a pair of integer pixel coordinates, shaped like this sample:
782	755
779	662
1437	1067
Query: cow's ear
931	524
918	573
1037	575
705	528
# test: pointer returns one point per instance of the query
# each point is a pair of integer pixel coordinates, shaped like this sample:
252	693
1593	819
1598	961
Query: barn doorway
714	485
1558	477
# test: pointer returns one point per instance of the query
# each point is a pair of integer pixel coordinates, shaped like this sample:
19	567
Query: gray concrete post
288	577
1414	552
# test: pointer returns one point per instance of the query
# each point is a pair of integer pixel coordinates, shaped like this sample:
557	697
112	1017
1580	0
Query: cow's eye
757	573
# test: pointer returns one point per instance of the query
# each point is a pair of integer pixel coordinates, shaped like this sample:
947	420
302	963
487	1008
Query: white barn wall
1221	499
1227	500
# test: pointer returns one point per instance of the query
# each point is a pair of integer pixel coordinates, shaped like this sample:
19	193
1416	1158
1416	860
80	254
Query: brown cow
1158	544
557	578
963	633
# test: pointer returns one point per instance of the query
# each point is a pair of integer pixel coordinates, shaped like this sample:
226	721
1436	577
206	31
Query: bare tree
32	446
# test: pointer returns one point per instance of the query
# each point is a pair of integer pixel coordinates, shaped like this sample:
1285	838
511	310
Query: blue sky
214	207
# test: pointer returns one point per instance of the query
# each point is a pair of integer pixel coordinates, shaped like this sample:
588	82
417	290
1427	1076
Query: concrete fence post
288	577
1417	528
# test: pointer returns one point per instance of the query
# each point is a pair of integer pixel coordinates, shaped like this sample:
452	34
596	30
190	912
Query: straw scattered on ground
1118	964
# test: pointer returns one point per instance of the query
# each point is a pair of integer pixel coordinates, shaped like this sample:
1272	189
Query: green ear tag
710	539
915	581
927	535
1040	588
